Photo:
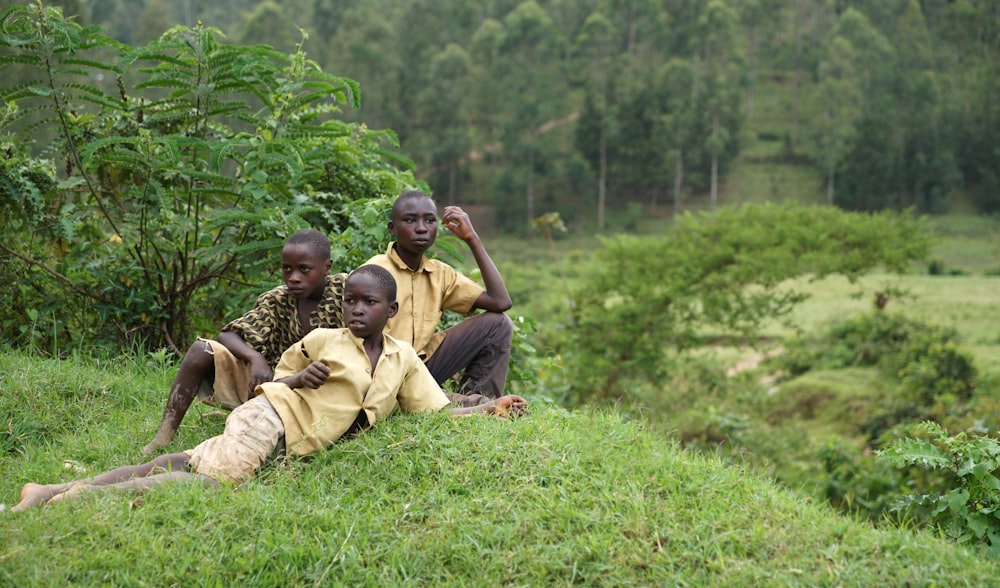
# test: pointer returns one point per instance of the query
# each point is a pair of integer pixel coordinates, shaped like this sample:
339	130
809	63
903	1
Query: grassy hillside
556	497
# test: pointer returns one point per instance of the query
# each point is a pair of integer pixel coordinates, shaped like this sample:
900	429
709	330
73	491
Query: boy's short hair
318	242
408	195
385	280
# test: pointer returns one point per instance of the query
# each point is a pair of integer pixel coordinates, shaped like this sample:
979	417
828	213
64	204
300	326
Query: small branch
54	274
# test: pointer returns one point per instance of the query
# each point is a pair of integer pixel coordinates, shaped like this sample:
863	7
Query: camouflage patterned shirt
272	326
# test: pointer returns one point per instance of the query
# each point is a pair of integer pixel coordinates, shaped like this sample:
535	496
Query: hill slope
555	497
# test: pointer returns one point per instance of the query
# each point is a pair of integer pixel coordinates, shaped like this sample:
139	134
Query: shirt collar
389	345
398	261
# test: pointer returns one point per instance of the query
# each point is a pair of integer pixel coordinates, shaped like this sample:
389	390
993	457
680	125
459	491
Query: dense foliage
968	509
716	273
167	176
543	105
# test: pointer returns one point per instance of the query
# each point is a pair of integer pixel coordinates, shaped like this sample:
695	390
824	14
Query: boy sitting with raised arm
333	383
226	372
479	346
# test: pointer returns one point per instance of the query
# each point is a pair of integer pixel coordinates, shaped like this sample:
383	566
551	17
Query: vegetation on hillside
146	182
161	198
585	106
555	497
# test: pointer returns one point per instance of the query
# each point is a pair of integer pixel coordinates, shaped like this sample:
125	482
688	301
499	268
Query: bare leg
198	364
37	494
135	484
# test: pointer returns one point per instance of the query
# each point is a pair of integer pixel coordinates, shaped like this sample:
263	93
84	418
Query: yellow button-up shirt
423	296
314	419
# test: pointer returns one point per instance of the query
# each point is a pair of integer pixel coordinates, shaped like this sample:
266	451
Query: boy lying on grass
335	382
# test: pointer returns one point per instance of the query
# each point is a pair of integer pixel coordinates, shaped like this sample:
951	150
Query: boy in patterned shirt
226	372
334	383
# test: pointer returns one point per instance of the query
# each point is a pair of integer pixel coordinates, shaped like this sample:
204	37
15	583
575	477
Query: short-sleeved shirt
272	325
423	296
314	418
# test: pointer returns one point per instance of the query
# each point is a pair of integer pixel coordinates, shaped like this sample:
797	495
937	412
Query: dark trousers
479	347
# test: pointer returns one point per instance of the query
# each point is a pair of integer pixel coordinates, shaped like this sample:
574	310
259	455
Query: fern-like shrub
146	191
968	509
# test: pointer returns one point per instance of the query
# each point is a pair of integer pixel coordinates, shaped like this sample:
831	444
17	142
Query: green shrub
644	298
933	374
176	183
967	509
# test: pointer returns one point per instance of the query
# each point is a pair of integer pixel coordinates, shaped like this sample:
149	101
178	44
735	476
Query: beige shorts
231	387
253	431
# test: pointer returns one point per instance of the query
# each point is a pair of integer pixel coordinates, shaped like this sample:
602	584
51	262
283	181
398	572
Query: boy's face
366	308
414	225
304	272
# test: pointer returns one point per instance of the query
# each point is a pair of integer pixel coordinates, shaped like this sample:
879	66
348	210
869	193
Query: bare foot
160	441
33	495
151	448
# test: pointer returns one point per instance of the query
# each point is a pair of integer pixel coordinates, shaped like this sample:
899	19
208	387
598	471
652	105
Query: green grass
968	304
555	498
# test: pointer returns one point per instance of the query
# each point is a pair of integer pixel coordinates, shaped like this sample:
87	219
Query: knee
171	462
500	324
199	357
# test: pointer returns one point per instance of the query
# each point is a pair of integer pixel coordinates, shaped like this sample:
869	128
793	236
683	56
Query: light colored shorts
253	431
231	387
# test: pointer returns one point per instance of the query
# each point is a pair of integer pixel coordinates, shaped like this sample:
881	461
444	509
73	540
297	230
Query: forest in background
587	107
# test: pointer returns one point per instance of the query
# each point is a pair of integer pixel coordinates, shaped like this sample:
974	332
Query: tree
645	298
527	61
719	79
838	101
444	150
676	122
183	183
595	47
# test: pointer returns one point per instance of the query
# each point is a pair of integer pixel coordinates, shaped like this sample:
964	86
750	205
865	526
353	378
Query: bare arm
260	370
495	298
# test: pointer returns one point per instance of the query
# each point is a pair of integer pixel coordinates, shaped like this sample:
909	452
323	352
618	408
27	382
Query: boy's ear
393	308
392	228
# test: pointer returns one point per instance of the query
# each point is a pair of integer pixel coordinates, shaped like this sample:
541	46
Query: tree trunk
452	181
602	179
678	182
715	163
530	187
796	75
829	185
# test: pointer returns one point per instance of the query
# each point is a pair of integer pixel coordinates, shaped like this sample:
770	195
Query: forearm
487	408
239	348
495	287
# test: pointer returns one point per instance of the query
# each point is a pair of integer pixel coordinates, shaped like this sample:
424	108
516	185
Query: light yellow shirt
423	296
314	419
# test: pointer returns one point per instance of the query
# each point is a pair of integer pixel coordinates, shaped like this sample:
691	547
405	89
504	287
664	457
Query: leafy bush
933	374
646	296
183	165
969	508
